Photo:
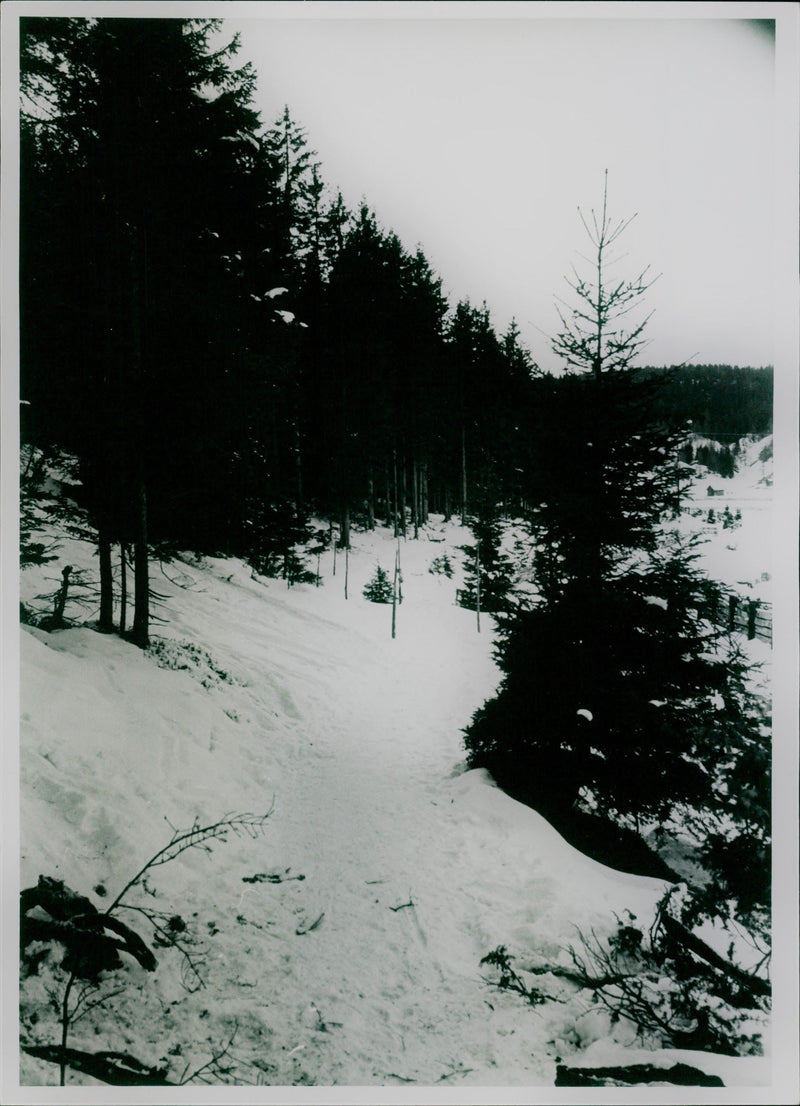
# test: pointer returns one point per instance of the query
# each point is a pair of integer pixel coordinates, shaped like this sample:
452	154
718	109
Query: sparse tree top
596	334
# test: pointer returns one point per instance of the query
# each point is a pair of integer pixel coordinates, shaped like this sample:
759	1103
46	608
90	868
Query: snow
740	557
366	971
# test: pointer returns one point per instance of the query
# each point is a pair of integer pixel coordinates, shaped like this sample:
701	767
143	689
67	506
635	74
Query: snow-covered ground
738	555
387	871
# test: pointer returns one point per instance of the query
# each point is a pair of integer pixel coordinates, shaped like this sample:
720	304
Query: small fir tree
379	589
276	534
488	570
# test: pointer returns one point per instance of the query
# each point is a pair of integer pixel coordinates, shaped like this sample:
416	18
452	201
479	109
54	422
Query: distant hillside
723	401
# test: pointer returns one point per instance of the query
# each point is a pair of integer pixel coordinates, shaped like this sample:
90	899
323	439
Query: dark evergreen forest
222	344
722	402
225	346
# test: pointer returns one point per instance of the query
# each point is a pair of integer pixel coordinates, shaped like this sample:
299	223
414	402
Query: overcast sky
479	138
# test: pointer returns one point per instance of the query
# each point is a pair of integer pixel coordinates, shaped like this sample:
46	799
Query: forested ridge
721	402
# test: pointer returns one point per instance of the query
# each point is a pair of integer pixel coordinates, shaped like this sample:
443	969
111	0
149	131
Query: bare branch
214	1065
197	838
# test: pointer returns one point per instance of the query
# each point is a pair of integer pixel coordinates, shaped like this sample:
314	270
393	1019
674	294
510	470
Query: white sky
478	138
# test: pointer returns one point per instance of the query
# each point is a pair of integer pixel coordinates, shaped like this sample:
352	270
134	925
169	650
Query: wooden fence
745	616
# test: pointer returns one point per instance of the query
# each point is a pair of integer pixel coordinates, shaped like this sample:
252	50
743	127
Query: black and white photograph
399	552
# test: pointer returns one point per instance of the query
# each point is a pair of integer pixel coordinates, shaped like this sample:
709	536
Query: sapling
93	940
379	588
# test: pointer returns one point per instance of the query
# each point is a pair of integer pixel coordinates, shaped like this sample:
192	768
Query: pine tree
276	535
616	689
488	569
301	189
379	588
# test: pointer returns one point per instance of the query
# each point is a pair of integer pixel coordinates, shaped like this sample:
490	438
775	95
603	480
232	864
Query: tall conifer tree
150	130
618	695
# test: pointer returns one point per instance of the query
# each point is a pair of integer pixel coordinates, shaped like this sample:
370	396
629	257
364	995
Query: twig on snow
301	930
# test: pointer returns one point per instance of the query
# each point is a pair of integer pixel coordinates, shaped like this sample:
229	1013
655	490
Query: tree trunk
298	457
396	518
140	634
370	501
394	589
123	588
463	476
478	582
118	1069
403	504
388	495
344	539
415	497
106	621
57	620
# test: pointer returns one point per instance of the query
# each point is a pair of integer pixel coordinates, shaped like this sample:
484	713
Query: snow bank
365	971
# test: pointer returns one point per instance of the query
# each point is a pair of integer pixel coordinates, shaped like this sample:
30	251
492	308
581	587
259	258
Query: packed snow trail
343	947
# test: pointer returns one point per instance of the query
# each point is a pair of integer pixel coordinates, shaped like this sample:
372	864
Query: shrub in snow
32	502
379	588
677	990
75	946
442	566
73	588
671	986
506	978
186	656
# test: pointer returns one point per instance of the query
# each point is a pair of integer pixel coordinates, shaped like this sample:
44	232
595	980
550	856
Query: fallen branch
590	982
75	922
680	1074
116	1068
682	936
301	930
272	877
